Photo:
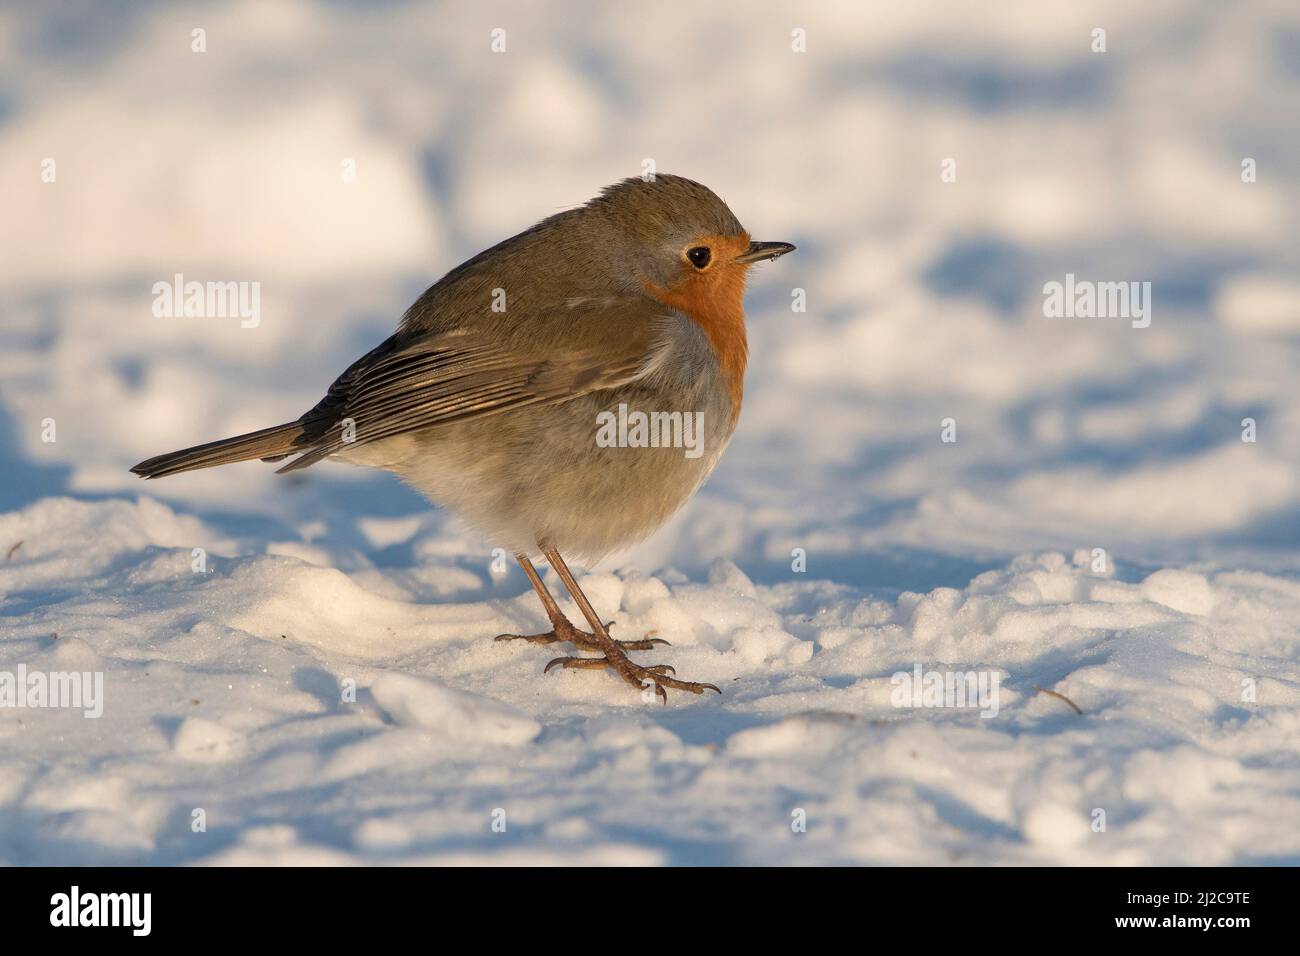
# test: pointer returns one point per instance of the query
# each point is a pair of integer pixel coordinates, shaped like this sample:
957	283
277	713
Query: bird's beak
765	250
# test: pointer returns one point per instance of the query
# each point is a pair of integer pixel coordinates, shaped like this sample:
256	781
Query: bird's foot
639	677
583	640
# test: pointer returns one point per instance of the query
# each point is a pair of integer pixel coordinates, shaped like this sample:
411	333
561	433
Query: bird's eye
699	256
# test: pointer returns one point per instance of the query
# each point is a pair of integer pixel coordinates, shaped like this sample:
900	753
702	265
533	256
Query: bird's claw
613	654
584	640
636	675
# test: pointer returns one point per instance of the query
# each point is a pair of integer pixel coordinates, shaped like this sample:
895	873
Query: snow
301	670
203	741
451	714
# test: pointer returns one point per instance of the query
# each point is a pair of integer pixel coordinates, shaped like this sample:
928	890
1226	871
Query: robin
565	391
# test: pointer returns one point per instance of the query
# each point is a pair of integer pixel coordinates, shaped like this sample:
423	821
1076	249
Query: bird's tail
269	444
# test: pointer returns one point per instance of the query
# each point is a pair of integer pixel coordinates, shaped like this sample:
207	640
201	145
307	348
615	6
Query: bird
494	394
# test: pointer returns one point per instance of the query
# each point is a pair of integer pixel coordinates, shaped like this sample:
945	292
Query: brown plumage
489	395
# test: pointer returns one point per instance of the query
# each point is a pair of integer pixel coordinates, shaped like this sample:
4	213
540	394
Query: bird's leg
561	629
614	657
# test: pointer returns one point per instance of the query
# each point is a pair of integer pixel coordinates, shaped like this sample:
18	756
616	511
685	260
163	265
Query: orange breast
715	301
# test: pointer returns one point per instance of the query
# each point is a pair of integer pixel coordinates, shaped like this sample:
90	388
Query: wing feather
411	383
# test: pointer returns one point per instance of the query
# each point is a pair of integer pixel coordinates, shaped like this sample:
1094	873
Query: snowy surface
325	689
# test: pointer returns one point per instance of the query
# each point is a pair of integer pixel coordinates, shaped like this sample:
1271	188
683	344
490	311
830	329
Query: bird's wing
412	383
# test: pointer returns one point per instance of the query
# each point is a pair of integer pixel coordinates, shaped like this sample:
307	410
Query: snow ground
228	689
